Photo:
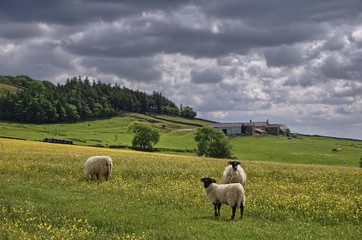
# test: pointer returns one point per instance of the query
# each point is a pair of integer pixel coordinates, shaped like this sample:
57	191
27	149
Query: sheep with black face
231	194
234	173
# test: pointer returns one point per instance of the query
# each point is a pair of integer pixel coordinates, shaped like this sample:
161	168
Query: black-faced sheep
234	173
232	194
98	166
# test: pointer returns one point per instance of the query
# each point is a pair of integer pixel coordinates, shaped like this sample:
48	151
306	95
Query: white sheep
98	166
336	149
234	173
232	194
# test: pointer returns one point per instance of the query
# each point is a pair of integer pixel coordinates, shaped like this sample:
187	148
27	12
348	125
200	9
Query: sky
293	62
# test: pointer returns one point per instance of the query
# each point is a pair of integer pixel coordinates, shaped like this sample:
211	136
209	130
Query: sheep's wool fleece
230	194
232	176
98	165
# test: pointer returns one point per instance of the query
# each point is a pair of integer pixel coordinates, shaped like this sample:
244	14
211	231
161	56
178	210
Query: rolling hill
177	137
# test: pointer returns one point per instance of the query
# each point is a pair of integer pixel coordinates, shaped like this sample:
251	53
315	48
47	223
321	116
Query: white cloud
357	34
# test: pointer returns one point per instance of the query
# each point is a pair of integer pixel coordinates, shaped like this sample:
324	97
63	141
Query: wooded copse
78	99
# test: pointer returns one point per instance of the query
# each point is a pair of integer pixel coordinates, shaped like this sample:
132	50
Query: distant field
44	195
178	134
104	132
303	149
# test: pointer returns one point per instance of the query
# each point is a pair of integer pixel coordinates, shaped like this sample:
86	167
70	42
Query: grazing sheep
98	165
232	194
234	173
336	149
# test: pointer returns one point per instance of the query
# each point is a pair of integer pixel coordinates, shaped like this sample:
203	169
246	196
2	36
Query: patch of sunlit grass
27	222
45	195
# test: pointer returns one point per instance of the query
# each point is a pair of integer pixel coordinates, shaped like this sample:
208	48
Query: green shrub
212	142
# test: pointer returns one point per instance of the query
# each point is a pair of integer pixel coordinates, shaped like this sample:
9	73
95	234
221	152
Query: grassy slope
44	194
7	88
104	132
317	150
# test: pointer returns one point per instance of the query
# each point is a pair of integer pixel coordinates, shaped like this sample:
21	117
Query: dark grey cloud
347	89
70	12
305	79
284	56
264	12
135	69
335	43
339	68
19	31
43	59
167	33
211	76
298	62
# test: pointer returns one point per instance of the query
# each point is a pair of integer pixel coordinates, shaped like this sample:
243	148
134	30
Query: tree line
77	100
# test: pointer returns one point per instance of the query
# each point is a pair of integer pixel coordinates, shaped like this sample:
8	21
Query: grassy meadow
177	137
44	195
303	149
106	132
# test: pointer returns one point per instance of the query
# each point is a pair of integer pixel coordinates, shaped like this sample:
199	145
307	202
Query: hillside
44	195
177	137
77	100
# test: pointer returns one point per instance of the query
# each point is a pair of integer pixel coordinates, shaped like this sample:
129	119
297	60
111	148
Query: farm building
249	128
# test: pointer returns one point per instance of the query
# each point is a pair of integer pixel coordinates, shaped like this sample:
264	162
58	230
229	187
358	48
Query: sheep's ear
230	162
213	180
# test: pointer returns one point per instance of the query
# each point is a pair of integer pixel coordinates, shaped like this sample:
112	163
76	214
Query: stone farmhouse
250	128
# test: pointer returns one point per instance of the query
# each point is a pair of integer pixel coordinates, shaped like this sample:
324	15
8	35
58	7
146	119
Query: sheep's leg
97	175
233	212
215	210
218	208
241	210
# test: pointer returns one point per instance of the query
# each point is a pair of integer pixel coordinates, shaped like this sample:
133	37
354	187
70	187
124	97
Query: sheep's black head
207	181
234	164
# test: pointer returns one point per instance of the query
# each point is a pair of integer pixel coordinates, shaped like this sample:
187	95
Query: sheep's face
234	164
207	181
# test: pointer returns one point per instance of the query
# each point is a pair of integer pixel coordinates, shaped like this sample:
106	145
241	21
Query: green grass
177	135
197	122
101	132
7	88
44	195
303	149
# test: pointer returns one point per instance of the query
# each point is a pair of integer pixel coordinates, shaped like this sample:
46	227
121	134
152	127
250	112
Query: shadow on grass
218	219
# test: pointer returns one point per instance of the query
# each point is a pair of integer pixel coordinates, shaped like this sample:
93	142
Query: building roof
226	125
246	124
258	130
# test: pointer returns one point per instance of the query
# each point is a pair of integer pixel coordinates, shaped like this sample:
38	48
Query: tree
145	135
212	142
71	113
187	112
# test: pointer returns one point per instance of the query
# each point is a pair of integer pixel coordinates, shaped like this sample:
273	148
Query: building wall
231	130
273	129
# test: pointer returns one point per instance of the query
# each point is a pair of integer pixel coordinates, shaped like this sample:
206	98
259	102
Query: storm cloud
293	62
